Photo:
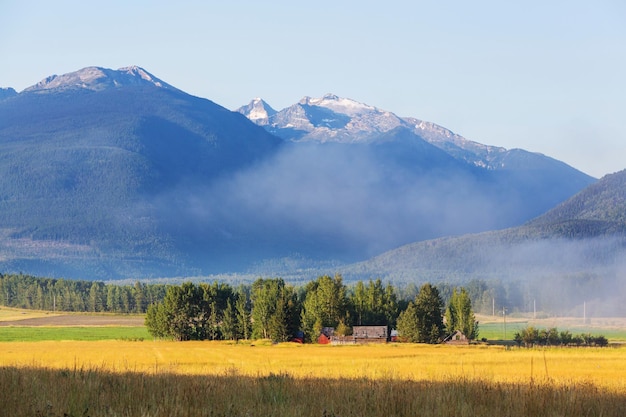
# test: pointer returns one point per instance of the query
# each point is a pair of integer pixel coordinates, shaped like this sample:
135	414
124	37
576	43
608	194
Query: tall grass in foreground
28	392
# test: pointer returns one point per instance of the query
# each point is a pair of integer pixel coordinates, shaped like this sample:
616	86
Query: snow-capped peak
338	104
97	79
258	111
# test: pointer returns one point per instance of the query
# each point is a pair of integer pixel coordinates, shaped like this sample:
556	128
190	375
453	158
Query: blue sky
545	76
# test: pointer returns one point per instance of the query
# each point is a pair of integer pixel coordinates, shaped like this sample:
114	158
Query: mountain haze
116	173
524	184
585	235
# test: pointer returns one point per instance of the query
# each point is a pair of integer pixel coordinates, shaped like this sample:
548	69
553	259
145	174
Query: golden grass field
605	367
158	378
163	378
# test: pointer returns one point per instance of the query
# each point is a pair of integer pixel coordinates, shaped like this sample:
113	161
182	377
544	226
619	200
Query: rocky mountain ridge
98	79
332	119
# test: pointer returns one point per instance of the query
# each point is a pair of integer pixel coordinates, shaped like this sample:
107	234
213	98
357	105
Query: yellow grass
601	367
8	314
181	379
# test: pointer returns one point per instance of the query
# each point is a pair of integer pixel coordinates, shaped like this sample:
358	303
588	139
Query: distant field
613	328
31	326
19	317
8	314
37	334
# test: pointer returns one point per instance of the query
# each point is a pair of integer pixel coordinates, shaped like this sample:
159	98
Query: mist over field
572	277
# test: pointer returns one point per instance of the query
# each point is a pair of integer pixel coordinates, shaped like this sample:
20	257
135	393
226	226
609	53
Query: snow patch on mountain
335	119
257	111
141	73
97	79
331	119
340	105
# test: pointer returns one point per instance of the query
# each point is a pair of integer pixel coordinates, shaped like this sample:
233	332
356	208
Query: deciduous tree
325	305
460	315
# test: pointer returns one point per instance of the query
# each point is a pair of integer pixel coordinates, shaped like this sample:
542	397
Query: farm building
326	335
456	338
363	334
394	335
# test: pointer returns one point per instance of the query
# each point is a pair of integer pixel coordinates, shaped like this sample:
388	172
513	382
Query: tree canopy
422	321
460	316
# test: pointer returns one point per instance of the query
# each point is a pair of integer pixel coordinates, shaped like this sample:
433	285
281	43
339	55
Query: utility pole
504	318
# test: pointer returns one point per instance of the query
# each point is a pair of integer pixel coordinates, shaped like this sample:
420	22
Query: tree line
531	336
273	309
268	308
25	291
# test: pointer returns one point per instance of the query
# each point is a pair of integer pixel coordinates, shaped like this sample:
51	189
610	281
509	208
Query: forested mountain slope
94	163
585	235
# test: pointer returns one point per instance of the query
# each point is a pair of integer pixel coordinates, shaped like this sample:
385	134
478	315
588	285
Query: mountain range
110	174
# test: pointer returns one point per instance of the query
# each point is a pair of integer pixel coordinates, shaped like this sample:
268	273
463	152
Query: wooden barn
363	334
370	334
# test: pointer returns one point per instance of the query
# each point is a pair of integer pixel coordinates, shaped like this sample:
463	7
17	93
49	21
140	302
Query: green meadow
498	331
37	334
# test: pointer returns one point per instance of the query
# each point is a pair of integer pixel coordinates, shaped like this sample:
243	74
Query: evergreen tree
242	314
213	323
96	297
139	293
358	301
429	307
390	306
422	321
127	299
278	325
407	324
229	323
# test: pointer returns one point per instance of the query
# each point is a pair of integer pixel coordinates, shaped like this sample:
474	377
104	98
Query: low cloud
340	202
